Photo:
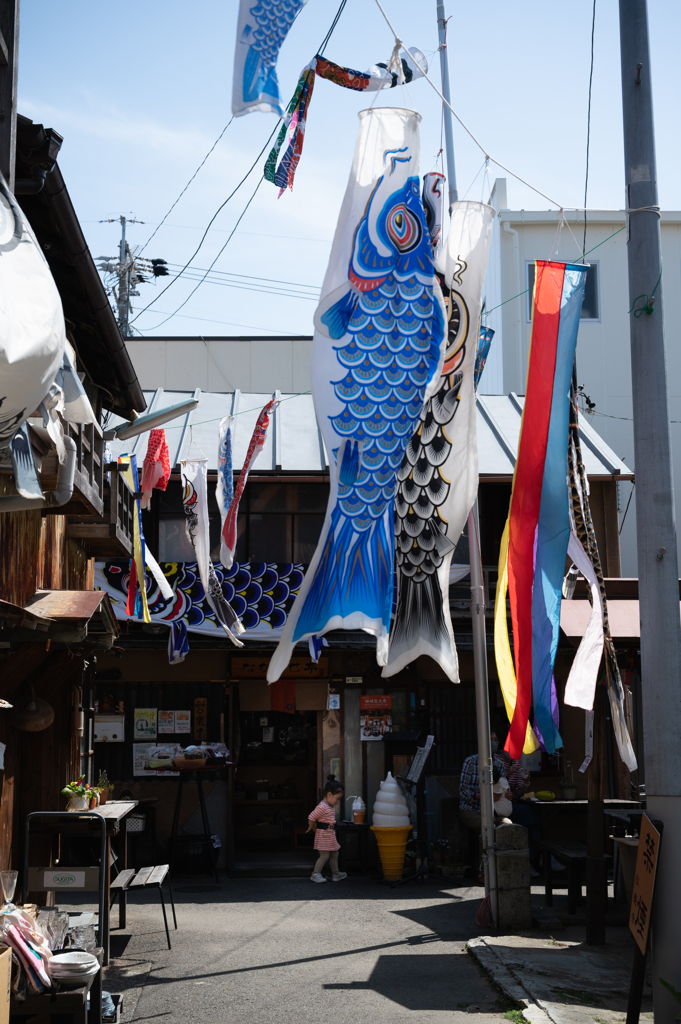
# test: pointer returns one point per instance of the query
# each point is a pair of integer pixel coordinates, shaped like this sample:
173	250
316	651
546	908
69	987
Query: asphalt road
277	951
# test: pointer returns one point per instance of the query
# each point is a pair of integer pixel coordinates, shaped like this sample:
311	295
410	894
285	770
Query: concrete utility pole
658	584
9	67
477	581
449	137
123	284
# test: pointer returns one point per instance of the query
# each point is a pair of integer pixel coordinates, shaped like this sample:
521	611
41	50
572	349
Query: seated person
469	787
503	806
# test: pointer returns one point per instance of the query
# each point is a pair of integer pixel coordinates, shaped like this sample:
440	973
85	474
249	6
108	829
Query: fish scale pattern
388	360
274	19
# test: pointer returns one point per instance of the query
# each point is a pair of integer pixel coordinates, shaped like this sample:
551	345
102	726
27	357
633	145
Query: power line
250	277
284	293
203	237
243	213
227	323
187	185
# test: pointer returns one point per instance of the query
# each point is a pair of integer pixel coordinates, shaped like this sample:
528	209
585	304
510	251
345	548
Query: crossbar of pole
658	583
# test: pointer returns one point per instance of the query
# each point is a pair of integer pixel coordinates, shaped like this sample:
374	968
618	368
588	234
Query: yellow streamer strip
502	647
136	539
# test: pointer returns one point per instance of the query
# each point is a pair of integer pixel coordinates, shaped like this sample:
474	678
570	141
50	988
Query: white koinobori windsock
31	319
261	29
379	345
195	503
438	478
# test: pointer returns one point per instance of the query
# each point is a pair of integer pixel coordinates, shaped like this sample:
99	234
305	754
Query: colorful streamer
535	541
224	488
256	445
379	76
195	502
137	598
378	352
156	467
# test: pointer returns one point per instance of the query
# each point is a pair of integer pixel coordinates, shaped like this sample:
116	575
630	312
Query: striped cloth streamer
534	544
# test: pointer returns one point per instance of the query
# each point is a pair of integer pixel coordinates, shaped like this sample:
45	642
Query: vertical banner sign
644	882
200	719
375	716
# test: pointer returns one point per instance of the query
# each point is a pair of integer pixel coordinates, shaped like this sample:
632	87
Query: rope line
487	312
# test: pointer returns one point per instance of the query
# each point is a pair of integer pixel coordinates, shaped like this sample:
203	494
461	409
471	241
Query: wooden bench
146	878
573	856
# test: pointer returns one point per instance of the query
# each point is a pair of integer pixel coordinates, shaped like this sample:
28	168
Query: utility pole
9	67
130	271
477	580
449	137
123	282
658	583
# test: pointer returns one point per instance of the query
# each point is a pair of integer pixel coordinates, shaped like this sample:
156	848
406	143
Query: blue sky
141	91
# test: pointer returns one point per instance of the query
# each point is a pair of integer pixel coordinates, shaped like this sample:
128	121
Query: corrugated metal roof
294	442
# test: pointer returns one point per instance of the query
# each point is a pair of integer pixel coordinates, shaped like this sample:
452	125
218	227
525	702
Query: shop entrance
275	788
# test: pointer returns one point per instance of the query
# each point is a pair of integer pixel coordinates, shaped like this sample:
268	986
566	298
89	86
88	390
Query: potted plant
105	786
78	795
569	789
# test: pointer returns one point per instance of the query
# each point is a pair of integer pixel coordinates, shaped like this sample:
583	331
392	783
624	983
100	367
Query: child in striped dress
322	821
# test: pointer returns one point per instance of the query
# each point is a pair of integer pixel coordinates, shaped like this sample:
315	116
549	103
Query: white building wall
256	365
603	352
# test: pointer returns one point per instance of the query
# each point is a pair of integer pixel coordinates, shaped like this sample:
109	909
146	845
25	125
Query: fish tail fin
334	313
348	461
349	584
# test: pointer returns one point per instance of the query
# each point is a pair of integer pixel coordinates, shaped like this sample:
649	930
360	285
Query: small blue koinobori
261	29
382	307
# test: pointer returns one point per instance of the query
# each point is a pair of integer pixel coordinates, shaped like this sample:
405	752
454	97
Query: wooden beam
9	28
19	667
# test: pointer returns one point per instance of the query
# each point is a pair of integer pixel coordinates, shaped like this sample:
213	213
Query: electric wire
160	225
227	323
253	165
251	277
335	21
210	222
488	156
588	125
241	216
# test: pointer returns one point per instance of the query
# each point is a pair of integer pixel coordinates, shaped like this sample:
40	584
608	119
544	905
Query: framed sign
375	716
644	882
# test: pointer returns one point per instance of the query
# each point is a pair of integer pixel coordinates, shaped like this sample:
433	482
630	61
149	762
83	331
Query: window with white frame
591	307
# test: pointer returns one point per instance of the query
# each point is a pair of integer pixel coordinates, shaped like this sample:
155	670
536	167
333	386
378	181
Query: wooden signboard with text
200	719
644	882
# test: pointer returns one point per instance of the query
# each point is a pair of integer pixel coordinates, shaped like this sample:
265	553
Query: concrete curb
509	984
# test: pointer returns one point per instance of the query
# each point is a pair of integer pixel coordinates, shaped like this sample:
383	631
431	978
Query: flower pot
93	803
104	796
569	793
77	803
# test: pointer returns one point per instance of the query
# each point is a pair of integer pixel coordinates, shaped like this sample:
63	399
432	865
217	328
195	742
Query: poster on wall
140	753
166	722
183	721
375	716
145	724
109	729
